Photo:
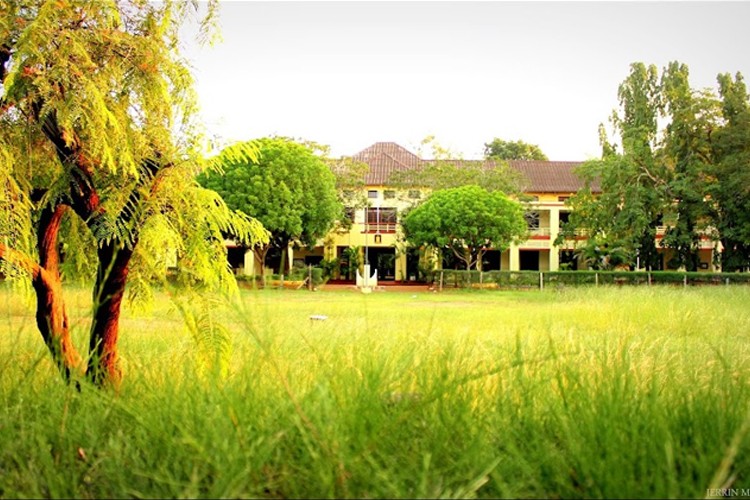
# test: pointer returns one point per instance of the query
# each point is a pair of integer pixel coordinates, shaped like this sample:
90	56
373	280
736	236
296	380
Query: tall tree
466	221
687	156
97	132
290	189
632	183
499	149
731	187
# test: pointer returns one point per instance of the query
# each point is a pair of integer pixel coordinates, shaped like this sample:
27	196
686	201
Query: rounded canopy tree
467	221
290	189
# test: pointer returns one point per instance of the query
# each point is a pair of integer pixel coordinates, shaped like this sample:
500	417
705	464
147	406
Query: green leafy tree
730	189
688	176
98	152
499	149
447	174
447	170
466	221
631	184
290	189
350	187
688	157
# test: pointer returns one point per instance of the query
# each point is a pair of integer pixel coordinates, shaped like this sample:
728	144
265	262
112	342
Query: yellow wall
548	205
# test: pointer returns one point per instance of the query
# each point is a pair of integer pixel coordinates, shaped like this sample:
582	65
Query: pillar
249	266
515	258
554	229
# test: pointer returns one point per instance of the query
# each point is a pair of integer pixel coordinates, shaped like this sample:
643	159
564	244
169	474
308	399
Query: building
373	230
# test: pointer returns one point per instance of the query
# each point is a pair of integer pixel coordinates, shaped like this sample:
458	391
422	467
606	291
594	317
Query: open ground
591	392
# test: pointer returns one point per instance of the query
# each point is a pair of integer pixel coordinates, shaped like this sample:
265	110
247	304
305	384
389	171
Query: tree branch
84	198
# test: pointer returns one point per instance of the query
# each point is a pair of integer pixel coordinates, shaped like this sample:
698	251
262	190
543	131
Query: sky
349	74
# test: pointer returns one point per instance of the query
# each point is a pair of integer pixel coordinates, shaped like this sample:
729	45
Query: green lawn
597	392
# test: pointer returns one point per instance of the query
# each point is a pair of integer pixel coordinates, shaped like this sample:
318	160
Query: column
400	267
290	256
554	229
515	258
249	266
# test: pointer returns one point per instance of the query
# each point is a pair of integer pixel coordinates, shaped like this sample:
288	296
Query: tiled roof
385	158
550	176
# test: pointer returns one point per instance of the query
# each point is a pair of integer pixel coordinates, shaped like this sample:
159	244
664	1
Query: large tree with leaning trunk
98	155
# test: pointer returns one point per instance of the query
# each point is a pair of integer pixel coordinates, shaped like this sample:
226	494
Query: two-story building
373	233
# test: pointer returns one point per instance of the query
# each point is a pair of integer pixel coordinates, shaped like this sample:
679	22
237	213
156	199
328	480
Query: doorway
384	260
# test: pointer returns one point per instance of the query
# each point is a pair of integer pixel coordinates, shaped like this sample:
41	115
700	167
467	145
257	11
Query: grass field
597	392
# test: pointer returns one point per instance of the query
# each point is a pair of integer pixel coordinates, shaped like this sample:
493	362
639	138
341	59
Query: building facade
372	232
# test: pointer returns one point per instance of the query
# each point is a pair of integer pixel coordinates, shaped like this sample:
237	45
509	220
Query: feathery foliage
100	149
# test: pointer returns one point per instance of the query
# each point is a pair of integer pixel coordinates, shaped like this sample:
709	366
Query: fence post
684	280
541	280
481	278
649	279
596	279
309	277
727	281
441	280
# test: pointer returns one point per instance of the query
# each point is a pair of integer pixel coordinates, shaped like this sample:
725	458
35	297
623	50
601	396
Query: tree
290	189
730	189
690	176
98	140
499	149
687	156
447	170
350	187
467	221
630	203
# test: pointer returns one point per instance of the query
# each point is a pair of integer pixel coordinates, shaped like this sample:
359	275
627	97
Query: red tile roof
550	176
385	158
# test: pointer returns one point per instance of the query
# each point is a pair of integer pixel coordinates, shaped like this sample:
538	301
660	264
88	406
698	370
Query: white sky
349	74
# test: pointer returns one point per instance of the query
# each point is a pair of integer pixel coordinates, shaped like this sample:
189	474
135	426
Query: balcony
539	233
379	227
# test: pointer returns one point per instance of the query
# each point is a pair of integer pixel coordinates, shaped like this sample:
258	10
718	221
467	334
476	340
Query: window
372	194
381	216
415	194
389	194
532	220
563	199
564	218
349	214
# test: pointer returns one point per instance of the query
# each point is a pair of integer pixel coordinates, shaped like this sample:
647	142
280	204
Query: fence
448	278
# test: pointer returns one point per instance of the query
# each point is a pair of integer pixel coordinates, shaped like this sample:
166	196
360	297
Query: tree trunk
260	254
51	317
114	259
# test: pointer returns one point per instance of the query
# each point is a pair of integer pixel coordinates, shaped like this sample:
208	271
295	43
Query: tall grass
581	393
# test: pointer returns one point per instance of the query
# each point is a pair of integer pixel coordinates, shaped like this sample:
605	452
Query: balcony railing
539	232
379	227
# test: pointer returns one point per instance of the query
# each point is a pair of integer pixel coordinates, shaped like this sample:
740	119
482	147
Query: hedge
535	279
